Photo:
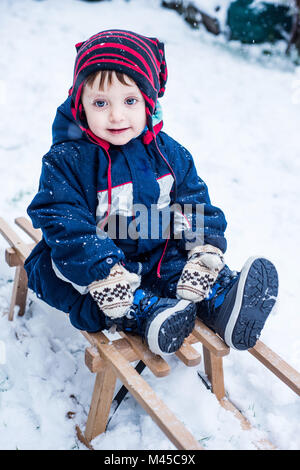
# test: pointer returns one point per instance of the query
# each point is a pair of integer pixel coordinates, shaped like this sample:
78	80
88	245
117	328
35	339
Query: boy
130	237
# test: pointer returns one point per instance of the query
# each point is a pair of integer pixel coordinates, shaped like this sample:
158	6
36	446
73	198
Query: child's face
117	113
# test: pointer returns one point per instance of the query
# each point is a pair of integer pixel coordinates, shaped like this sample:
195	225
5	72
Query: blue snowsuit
71	205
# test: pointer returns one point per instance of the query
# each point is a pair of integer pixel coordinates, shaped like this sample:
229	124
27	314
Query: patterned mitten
114	294
200	272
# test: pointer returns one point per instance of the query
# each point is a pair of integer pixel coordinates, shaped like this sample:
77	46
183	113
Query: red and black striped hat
141	58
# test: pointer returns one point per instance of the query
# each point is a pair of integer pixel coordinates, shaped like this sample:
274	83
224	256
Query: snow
237	110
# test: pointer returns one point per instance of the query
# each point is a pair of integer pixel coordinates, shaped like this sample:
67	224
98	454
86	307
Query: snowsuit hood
64	126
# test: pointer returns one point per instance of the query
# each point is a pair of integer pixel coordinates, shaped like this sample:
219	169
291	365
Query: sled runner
110	360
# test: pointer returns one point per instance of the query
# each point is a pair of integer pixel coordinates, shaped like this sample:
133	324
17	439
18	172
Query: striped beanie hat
140	57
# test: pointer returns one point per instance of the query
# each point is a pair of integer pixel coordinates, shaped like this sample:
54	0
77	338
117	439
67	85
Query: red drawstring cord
109	191
161	258
105	146
166	161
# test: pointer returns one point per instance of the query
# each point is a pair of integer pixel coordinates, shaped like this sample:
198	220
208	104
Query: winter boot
240	303
164	323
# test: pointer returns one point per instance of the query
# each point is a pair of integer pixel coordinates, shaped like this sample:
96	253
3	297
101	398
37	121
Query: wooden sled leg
101	402
19	292
213	367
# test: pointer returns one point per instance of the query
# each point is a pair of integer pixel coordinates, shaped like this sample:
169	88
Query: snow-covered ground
237	111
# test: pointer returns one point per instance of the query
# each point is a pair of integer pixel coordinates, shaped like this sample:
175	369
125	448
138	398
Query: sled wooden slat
25	224
156	364
123	347
14	240
188	355
95	338
12	258
192	339
210	340
96	364
278	366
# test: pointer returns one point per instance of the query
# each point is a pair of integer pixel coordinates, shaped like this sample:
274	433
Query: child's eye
131	101
99	103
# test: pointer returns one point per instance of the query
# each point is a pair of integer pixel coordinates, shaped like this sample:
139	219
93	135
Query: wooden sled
110	360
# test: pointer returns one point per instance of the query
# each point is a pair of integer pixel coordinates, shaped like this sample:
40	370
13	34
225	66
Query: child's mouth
118	131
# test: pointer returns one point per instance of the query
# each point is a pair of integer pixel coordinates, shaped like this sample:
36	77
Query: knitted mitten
114	294
200	272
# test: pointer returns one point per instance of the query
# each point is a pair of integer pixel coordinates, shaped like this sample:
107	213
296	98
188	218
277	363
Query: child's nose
116	114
